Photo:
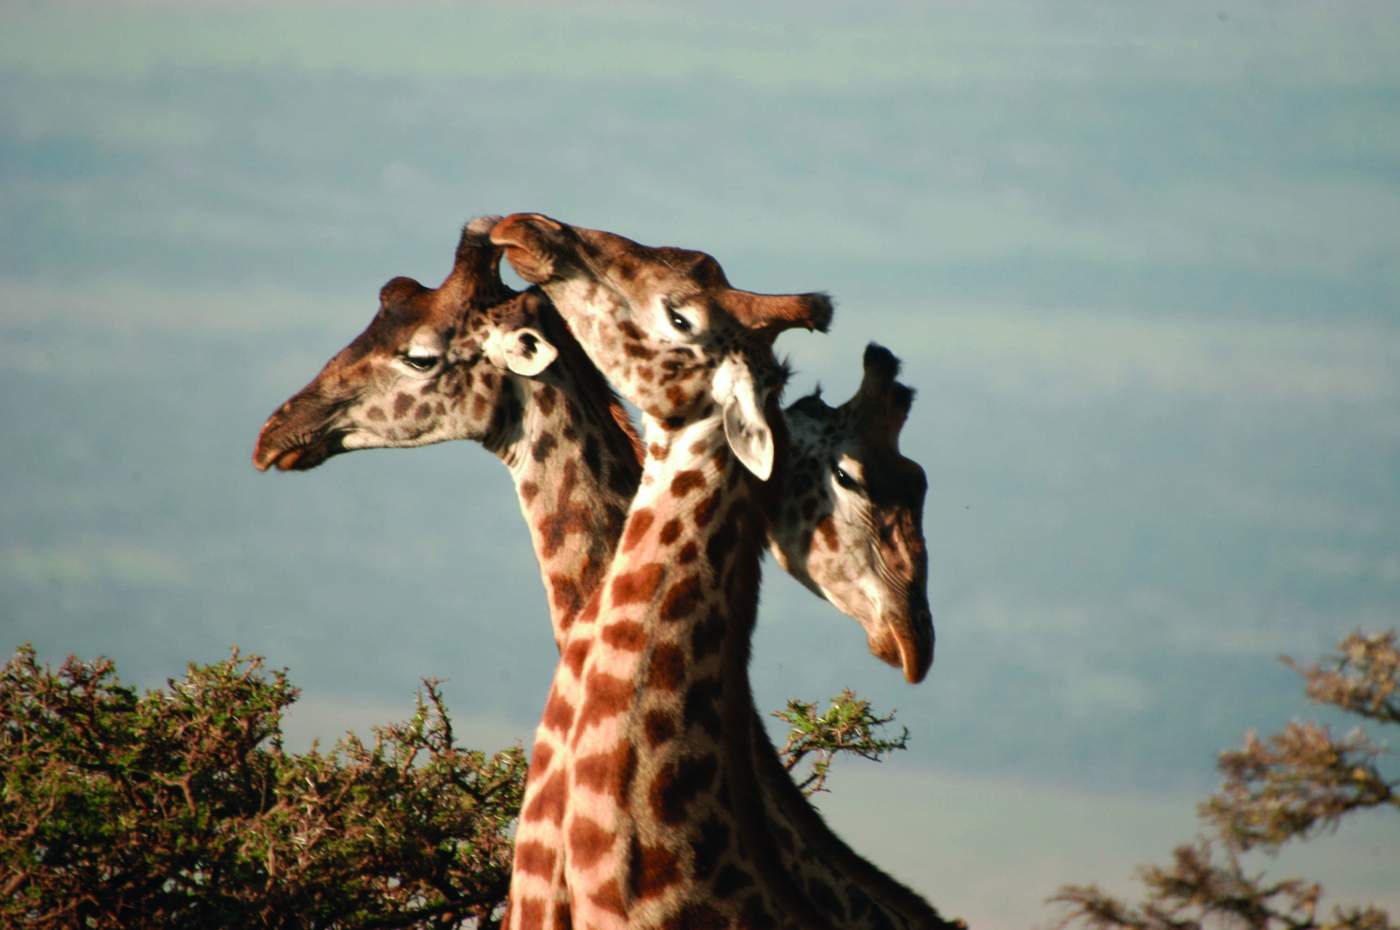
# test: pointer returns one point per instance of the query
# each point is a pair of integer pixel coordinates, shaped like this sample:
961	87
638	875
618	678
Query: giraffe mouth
301	454
905	641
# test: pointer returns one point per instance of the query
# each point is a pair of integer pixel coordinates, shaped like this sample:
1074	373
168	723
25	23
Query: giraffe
472	359
447	363
661	802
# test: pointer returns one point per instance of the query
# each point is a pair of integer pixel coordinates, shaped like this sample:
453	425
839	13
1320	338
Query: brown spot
540	759
651	870
680	783
707	636
667	668
609	898
687	481
576	653
588	842
705	510
645	374
827	527
423	412
676	395
702	708
534	858
682	599
689	553
558	712
637	526
531	913
637	350
545	398
543	446
670	531
479	405
488	379
590	609
713	839
604	697
568	518
625	635
608	773
548	804
528	490
629	329
659	727
721	544
402	404
566	597
638	586
656	450
375	415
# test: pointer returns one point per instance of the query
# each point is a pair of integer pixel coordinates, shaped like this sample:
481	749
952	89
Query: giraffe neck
575	466
573	491
664	815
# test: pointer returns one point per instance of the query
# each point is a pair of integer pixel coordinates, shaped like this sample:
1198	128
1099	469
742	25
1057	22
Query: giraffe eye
844	478
677	320
421	362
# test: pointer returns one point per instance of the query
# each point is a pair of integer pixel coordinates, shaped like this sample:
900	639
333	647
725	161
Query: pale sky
1142	264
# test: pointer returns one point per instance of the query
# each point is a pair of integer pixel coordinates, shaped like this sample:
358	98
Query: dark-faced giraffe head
665	327
851	523
432	365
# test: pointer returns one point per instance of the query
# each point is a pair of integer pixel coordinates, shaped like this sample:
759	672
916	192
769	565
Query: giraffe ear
745	427
524	351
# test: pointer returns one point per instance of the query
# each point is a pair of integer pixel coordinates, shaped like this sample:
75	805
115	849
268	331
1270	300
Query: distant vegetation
1285	788
180	808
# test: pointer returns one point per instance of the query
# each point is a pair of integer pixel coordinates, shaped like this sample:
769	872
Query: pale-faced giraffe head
665	327
432	365
851	523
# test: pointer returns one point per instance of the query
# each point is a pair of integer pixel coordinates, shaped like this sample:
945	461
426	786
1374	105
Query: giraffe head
665	327
432	365
851	523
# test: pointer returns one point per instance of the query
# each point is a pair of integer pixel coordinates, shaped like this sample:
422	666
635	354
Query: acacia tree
1286	787
847	726
181	808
